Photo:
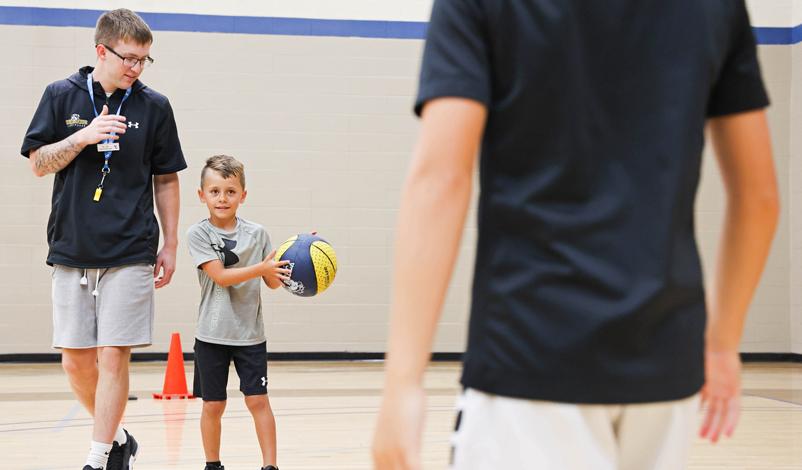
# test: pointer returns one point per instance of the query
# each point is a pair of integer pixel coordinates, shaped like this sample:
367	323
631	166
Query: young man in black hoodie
112	144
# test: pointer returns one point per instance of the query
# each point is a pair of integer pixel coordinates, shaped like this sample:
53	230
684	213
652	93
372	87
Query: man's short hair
227	166
122	25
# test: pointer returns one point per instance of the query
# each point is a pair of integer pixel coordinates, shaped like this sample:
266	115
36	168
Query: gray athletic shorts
114	308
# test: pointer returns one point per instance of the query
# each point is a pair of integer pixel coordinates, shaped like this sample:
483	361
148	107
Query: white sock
119	436
98	455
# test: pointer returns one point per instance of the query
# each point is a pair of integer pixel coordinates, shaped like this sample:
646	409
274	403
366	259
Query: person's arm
167	195
274	282
743	148
434	204
55	157
226	277
269	270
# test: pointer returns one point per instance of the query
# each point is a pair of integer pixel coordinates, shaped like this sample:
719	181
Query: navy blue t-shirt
588	285
121	228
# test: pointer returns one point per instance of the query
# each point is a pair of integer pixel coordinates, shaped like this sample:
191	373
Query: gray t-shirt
229	315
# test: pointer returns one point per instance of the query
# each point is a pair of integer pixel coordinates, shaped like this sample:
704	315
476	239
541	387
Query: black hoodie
121	228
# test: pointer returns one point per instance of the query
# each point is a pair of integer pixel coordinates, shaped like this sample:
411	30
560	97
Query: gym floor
325	413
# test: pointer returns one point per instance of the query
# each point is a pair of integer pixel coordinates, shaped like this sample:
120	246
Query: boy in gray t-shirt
231	254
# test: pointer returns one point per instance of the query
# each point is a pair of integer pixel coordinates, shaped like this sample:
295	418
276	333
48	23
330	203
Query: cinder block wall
324	126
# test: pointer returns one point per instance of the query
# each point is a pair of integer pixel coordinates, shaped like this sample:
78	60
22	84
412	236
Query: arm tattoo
54	157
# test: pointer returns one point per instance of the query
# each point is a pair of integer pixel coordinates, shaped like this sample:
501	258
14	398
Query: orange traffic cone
175	382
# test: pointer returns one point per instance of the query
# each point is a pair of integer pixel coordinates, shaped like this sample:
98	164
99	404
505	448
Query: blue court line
67	418
36	16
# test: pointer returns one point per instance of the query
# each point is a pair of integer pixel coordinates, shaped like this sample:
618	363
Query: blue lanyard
106	156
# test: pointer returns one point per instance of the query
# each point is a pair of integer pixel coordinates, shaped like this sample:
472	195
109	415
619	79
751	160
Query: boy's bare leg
111	394
80	366
211	418
265	424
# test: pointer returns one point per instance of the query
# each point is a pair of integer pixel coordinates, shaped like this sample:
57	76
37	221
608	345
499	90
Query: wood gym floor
325	413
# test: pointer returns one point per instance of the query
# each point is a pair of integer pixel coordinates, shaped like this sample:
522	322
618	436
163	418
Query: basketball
312	261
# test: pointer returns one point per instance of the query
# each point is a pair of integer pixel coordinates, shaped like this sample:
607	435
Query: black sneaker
130	448
115	457
214	467
87	467
122	457
270	467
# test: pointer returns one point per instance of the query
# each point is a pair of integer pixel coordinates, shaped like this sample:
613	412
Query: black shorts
212	362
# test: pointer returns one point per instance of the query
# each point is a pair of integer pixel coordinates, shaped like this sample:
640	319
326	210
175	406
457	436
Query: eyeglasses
132	62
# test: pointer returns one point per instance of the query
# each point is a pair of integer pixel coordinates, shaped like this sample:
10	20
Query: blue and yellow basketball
312	261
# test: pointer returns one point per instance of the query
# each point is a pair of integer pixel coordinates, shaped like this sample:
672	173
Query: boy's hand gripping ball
312	261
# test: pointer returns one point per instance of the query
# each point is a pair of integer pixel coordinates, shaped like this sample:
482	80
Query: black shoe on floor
122	457
115	461
214	467
130	449
87	467
270	467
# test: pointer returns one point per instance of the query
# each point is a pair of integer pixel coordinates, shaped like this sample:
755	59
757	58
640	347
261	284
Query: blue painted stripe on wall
780	36
34	16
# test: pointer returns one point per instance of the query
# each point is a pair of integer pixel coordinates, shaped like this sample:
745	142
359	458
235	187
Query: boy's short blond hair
122	25
227	166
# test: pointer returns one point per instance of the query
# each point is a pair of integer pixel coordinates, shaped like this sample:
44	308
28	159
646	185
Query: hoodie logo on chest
135	125
76	121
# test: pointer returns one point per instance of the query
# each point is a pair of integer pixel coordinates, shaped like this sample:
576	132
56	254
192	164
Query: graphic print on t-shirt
229	257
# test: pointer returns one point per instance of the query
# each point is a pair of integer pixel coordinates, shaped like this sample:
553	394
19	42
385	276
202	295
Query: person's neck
223	224
99	75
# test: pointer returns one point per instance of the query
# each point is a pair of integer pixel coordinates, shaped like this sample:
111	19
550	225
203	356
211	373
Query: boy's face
221	195
114	56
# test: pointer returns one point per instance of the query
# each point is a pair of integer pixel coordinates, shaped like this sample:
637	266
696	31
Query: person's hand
721	394
101	128
272	269
397	439
165	266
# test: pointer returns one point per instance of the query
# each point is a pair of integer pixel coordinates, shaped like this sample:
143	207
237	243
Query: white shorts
495	432
121	314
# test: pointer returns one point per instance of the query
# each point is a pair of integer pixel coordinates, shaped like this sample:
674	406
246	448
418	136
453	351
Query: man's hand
165	265
397	440
53	158
101	128
721	393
